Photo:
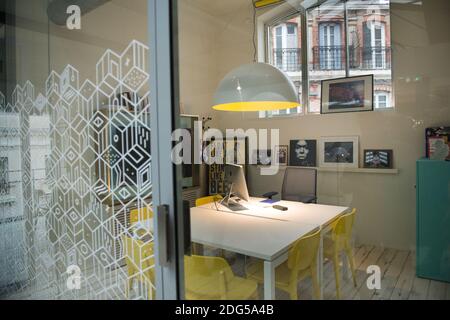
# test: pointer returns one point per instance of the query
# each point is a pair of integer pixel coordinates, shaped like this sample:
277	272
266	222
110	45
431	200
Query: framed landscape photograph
351	94
281	155
379	159
303	153
339	152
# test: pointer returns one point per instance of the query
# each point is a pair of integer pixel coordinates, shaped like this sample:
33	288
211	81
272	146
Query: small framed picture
281	155
339	152
378	158
438	143
349	94
303	153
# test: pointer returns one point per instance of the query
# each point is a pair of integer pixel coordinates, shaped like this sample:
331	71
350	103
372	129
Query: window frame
290	12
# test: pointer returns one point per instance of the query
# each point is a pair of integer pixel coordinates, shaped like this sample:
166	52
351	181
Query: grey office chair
300	184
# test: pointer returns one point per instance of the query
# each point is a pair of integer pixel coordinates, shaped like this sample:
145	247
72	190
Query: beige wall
385	202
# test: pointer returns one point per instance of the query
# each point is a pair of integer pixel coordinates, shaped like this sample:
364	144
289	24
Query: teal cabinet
433	220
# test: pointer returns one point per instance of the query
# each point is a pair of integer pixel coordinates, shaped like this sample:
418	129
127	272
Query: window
4	180
285	53
367	44
381	100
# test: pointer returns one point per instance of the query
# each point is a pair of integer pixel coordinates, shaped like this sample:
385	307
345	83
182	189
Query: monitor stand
230	203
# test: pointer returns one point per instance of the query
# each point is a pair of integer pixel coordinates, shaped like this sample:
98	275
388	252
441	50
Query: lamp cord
254	31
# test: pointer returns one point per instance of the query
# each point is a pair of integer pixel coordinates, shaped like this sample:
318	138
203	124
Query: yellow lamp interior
256	106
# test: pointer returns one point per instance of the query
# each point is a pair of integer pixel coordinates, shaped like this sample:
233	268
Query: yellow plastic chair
211	278
140	214
205	200
340	242
301	263
140	262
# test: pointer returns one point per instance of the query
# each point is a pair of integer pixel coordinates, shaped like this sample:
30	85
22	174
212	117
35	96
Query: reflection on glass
326	45
369	40
285	53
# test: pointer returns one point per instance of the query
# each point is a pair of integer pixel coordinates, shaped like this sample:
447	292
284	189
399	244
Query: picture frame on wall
341	152
303	153
350	94
378	158
282	154
438	143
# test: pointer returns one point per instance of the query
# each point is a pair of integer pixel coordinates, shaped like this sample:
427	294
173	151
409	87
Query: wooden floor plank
390	275
405	281
362	292
419	289
437	290
447	294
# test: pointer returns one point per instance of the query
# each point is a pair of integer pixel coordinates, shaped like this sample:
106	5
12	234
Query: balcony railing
360	58
329	58
373	58
287	59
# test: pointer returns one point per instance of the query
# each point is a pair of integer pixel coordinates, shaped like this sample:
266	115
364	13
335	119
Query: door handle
163	233
187	228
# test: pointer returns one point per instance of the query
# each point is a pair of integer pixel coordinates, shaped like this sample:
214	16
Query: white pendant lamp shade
255	87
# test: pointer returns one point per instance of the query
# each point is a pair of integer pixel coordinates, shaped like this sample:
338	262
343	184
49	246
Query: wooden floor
398	280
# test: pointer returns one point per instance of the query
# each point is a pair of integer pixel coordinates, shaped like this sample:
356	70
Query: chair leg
293	294
336	274
315	282
351	260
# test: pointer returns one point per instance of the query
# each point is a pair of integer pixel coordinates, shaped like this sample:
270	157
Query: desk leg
269	280
320	265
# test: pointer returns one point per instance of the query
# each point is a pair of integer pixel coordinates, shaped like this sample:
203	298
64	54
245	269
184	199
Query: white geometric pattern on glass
97	169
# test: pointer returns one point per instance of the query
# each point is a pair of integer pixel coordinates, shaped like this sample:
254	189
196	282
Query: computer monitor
235	179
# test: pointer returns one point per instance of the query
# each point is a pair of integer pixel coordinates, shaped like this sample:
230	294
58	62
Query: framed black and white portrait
302	153
349	94
379	159
339	152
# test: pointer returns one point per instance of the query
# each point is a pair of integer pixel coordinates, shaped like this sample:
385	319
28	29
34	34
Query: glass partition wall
364	162
76	216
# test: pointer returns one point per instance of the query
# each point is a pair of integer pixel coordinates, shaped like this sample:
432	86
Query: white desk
262	232
263	238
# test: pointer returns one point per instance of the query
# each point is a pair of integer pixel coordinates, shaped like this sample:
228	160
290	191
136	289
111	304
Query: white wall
385	203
